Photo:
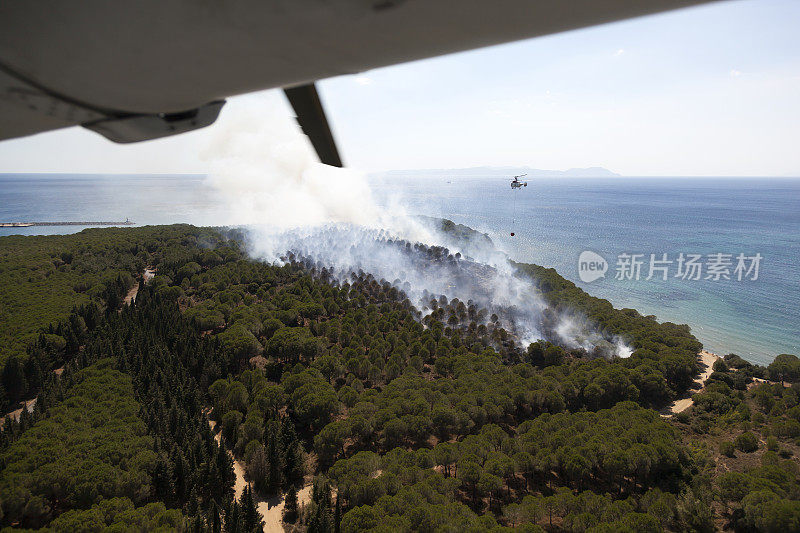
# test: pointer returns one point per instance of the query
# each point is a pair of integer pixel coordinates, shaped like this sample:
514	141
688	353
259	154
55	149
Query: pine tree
25	418
215	518
13	379
163	485
258	469
290	506
192	506
293	456
198	525
288	433
181	473
225	470
251	520
274	458
295	464
33	370
320	520
233	519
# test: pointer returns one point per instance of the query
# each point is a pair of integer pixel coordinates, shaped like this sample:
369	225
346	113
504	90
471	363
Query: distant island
499	172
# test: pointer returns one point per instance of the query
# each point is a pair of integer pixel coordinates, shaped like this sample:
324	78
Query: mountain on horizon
491	172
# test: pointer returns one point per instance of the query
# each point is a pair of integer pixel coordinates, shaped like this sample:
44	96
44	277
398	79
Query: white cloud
619	52
735	73
363	80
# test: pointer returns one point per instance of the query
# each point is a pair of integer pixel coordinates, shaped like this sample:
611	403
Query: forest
229	382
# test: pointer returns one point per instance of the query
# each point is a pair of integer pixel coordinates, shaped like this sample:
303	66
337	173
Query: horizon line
374	172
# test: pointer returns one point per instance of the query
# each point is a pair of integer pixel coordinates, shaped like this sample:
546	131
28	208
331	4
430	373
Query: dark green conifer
290	509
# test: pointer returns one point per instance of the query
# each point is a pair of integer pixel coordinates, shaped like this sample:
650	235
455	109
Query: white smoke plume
265	173
422	272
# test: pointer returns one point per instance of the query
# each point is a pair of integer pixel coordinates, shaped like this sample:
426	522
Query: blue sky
710	90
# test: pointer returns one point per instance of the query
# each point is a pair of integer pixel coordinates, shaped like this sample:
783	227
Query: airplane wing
133	71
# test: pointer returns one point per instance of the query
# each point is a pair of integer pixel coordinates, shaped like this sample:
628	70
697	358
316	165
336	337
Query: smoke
264	171
575	331
423	272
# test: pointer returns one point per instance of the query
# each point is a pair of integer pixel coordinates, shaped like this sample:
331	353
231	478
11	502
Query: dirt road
238	469
147	275
271	509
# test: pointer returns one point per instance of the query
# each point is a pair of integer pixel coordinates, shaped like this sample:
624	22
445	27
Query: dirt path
240	483
17	413
147	275
131	296
759	381
706	358
29	404
271	509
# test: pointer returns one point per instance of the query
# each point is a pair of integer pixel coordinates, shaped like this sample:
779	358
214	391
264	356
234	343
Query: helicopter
516	184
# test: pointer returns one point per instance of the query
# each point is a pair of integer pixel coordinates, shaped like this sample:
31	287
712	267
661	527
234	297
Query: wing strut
311	117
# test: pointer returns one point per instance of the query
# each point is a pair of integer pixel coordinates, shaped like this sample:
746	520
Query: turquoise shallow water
554	221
